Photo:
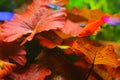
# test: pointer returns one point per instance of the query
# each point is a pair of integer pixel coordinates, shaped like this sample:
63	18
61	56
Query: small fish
6	16
82	25
113	20
93	26
53	6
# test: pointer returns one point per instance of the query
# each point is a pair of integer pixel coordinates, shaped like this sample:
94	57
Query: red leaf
49	39
46	43
14	52
6	68
33	72
12	49
37	18
72	28
21	60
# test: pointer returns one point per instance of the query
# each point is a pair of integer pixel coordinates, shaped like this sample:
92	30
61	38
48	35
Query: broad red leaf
71	28
12	48
21	60
33	72
49	39
14	52
46	43
6	68
37	18
51	44
62	35
92	78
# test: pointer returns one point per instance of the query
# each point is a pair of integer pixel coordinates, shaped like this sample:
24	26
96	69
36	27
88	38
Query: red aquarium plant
47	42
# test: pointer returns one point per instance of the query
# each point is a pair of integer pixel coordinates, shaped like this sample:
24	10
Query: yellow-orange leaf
102	54
107	56
115	72
87	13
103	73
64	1
86	48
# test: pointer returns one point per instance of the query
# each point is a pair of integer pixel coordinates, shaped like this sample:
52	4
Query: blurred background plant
104	5
107	32
10	5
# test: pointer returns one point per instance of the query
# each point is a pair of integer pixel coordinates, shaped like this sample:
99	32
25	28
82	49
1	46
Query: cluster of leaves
106	6
44	43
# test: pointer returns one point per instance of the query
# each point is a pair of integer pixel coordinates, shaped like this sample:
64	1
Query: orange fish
93	26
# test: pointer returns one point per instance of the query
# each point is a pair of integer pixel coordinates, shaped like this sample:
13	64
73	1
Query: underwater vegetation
104	5
108	6
59	40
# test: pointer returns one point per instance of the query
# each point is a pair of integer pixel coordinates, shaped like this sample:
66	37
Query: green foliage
77	3
104	5
109	33
19	2
7	5
10	5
